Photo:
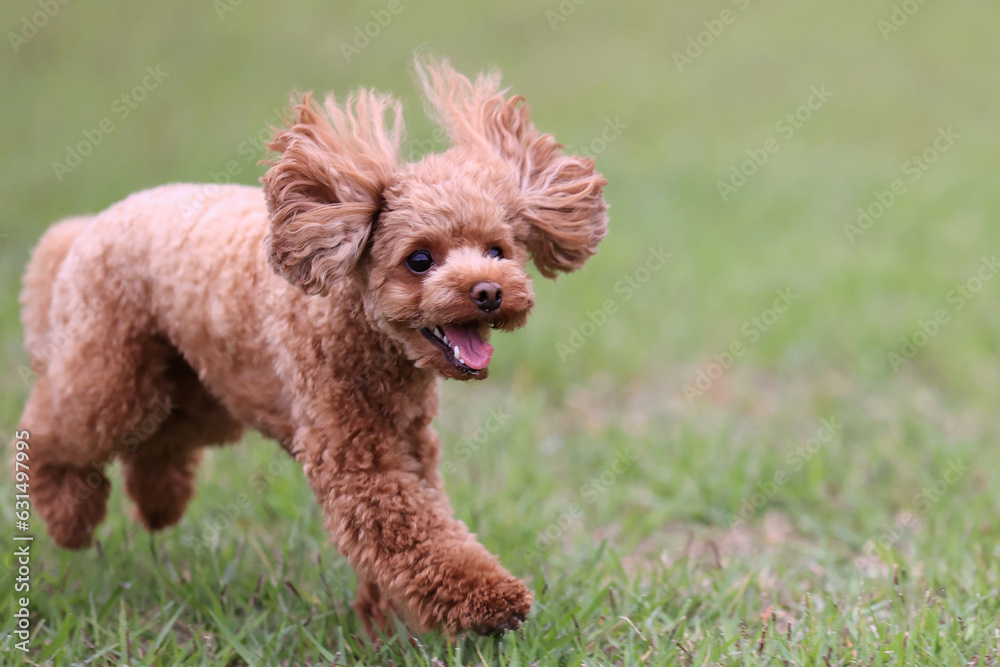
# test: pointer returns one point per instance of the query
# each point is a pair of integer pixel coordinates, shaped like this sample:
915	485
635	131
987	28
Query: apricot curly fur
184	314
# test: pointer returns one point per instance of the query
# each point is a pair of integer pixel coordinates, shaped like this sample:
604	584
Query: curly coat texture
186	313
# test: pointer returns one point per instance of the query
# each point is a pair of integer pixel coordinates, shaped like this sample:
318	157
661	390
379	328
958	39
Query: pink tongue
474	352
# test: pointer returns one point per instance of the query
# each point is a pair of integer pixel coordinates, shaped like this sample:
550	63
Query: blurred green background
672	99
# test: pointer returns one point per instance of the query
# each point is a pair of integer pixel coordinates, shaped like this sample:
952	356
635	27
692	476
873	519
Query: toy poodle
319	311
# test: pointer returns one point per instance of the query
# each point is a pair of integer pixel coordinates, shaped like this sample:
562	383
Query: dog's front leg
397	531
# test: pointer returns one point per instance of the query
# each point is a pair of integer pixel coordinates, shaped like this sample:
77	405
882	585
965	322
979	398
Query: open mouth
462	346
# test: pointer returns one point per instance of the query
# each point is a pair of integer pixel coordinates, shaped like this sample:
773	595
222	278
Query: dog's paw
499	604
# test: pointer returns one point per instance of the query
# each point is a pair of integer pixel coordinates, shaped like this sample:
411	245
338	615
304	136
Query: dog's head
439	246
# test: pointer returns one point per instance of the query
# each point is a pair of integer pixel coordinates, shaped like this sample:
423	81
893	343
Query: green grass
668	557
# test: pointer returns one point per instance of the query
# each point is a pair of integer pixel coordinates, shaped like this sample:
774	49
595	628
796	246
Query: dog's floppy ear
324	189
563	201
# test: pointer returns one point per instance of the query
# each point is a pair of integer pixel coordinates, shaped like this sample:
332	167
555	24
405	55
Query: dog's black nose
487	296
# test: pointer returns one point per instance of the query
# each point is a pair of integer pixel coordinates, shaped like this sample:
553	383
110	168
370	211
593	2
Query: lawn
755	429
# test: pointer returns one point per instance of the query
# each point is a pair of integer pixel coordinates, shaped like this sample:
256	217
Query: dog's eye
495	253
420	261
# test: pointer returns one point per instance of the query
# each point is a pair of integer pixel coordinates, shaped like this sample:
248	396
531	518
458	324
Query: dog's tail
39	277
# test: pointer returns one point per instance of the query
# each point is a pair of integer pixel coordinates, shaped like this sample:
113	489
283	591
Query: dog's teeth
458	355
439	333
444	337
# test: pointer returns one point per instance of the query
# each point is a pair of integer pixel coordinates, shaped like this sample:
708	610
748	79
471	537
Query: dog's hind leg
163	451
106	374
69	496
161	483
87	397
103	370
65	478
375	610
